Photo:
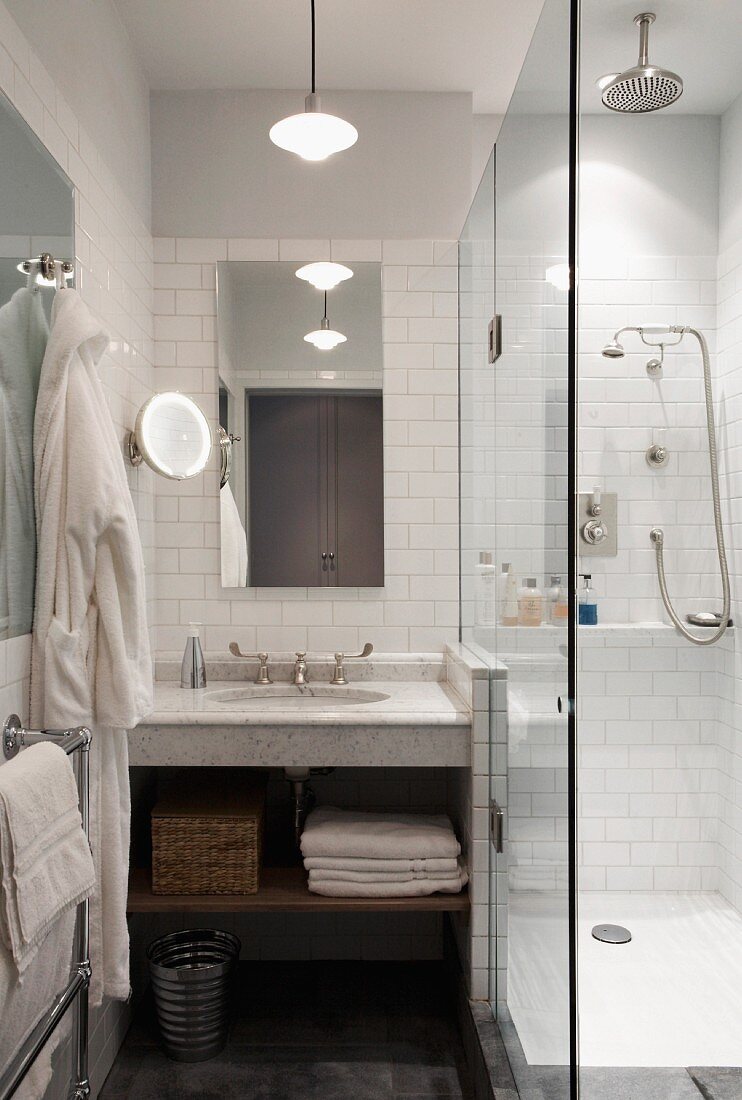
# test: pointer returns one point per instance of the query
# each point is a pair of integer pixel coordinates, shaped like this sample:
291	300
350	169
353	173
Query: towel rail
15	736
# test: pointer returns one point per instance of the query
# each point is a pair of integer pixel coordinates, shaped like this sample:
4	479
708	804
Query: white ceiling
429	45
473	46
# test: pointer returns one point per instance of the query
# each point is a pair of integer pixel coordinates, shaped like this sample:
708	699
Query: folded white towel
414	889
382	866
329	875
44	855
350	833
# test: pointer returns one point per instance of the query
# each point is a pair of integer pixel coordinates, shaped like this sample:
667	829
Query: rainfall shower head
645	87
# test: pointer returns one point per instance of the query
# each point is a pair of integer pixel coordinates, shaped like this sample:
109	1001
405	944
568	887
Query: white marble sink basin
294	697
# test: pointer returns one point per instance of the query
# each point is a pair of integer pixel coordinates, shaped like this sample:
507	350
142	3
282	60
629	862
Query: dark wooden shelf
282	890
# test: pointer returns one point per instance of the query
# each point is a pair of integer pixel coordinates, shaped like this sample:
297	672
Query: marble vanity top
406	723
404	704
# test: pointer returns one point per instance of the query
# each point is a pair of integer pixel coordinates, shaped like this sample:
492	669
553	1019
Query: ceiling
475	46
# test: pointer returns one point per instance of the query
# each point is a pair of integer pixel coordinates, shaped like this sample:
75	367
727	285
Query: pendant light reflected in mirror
313	135
325	338
324	275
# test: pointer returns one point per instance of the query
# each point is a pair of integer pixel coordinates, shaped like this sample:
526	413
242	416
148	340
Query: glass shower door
517	443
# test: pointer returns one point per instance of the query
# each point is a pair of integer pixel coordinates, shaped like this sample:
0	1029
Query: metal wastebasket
192	976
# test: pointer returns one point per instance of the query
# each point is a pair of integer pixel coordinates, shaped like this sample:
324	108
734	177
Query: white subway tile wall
623	411
417	608
113	272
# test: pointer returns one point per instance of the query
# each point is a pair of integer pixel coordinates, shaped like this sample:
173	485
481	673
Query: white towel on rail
234	541
23	335
352	833
25	999
90	662
45	862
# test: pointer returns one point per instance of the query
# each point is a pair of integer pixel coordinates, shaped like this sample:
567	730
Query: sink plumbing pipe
302	795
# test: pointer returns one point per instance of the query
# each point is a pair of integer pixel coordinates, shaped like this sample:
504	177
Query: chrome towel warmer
76	991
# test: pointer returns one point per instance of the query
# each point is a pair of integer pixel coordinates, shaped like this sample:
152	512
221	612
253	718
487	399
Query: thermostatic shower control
597	523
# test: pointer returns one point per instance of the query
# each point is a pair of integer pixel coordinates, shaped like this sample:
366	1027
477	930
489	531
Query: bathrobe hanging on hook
90	661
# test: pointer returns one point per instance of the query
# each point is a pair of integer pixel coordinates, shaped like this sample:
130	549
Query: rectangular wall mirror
301	429
37	215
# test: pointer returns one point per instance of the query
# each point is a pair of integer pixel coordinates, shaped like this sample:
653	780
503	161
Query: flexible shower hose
657	534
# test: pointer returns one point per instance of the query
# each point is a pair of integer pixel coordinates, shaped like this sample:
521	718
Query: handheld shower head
613	350
645	87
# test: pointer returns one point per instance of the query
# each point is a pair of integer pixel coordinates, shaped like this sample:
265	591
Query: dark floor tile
427	1069
605	1083
718	1083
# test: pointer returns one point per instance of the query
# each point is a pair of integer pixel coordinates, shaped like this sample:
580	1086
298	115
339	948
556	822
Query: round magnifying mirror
172	435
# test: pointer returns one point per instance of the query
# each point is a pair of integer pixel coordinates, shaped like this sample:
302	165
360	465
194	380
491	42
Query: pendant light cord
313	79
325	317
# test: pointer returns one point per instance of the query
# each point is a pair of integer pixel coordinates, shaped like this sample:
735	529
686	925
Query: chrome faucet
262	677
338	676
300	669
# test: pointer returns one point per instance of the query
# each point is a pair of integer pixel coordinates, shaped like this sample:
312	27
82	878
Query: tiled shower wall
113	249
417	610
623	411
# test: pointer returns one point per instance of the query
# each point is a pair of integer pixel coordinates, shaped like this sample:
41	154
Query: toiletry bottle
530	603
588	603
509	615
486	590
193	668
502	584
561	606
552	598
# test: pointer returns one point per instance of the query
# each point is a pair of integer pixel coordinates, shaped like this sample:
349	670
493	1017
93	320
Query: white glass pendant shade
313	135
325	338
324	275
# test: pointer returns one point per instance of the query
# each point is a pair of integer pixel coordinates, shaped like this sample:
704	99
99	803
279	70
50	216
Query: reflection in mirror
302	504
172	435
36	216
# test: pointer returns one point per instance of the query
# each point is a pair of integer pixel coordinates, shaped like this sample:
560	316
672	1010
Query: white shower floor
671	997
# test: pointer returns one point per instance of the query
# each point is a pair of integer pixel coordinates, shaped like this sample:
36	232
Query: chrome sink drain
611	933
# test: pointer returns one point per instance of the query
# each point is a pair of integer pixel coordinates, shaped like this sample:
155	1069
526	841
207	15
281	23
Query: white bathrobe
90	661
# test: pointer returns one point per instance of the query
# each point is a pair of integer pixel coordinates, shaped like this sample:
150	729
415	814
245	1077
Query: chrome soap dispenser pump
193	668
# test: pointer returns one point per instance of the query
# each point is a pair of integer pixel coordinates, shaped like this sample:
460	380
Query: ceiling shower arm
644	21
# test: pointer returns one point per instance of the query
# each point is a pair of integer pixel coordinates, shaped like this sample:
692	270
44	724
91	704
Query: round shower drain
611	933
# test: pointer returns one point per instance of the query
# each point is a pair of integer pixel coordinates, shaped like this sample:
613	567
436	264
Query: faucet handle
338	676
262	657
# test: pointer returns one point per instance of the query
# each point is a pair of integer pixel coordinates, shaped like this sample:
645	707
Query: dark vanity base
360	1030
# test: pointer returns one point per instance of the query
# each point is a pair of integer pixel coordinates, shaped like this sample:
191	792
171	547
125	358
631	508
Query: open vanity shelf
282	890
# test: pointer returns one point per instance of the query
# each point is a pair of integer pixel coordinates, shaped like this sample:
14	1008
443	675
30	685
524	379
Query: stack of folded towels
350	854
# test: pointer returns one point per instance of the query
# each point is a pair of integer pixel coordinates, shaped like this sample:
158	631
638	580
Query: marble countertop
421	724
409	703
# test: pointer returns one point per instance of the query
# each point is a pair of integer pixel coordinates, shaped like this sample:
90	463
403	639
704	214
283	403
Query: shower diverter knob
594	531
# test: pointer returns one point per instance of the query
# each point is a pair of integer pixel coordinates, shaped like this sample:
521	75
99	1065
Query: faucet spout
300	669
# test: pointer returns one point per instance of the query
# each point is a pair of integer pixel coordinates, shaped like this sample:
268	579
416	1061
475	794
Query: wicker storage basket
208	839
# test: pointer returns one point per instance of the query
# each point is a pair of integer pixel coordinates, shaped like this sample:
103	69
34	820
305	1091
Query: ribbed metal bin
192	976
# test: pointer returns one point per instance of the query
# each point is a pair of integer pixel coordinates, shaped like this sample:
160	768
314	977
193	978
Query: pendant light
313	135
325	338
324	275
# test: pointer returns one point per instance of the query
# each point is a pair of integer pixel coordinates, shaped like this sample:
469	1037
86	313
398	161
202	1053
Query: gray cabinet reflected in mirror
301	428
37	216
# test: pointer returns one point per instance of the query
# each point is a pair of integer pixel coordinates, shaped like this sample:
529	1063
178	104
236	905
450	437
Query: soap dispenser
587	607
193	668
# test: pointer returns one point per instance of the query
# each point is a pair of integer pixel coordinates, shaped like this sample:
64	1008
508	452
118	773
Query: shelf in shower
282	890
